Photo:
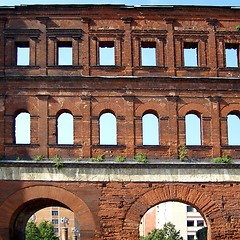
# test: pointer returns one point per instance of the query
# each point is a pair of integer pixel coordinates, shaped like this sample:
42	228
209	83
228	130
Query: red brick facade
86	89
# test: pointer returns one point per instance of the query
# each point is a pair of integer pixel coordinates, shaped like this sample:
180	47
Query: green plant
182	152
78	159
224	159
99	158
238	28
58	162
19	159
141	158
120	159
39	158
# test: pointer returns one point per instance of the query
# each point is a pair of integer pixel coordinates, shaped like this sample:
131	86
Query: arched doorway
185	218
188	194
21	205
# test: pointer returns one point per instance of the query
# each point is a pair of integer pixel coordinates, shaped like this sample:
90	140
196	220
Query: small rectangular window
22	53
148	54
55	221
106	53
190	237
200	223
64	53
190	223
54	213
190	54
232	55
189	208
55	230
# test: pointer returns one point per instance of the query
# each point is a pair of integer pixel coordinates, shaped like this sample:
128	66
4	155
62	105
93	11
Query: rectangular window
189	208
190	237
106	53
190	54
148	54
55	230
55	221
232	55
190	223
64	53
200	223
54	213
22	54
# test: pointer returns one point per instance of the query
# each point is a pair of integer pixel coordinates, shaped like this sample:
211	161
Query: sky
127	2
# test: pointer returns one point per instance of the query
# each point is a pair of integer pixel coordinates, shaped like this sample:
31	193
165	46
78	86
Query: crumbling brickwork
169	89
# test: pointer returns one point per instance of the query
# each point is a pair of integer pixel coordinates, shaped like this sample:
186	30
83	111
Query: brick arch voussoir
99	108
14	202
159	109
64	106
182	111
230	108
195	197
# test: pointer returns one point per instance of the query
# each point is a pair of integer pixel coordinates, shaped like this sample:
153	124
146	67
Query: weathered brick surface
113	210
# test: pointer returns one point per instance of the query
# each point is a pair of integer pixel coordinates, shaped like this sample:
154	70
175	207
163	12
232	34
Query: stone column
212	48
129	127
43	125
216	136
127	59
173	125
170	50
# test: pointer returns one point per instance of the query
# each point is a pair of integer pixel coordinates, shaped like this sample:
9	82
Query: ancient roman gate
147	73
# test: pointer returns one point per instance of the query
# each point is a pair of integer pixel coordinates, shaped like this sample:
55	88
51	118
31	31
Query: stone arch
171	192
233	107
153	107
107	106
23	203
59	105
193	107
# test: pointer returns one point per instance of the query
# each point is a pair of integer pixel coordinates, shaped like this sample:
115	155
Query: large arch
17	208
171	192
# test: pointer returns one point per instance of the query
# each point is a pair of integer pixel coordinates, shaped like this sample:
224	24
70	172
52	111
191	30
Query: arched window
150	129
65	132
193	129
108	129
233	126
22	128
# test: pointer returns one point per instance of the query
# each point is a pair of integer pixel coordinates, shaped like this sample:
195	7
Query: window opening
233	127
148	54
54	221
190	223
200	223
150	128
190	208
64	53
108	129
193	129
22	128
190	237
22	53
232	55
54	213
190	54
106	53
65	131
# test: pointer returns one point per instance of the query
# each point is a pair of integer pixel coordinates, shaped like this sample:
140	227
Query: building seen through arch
186	219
